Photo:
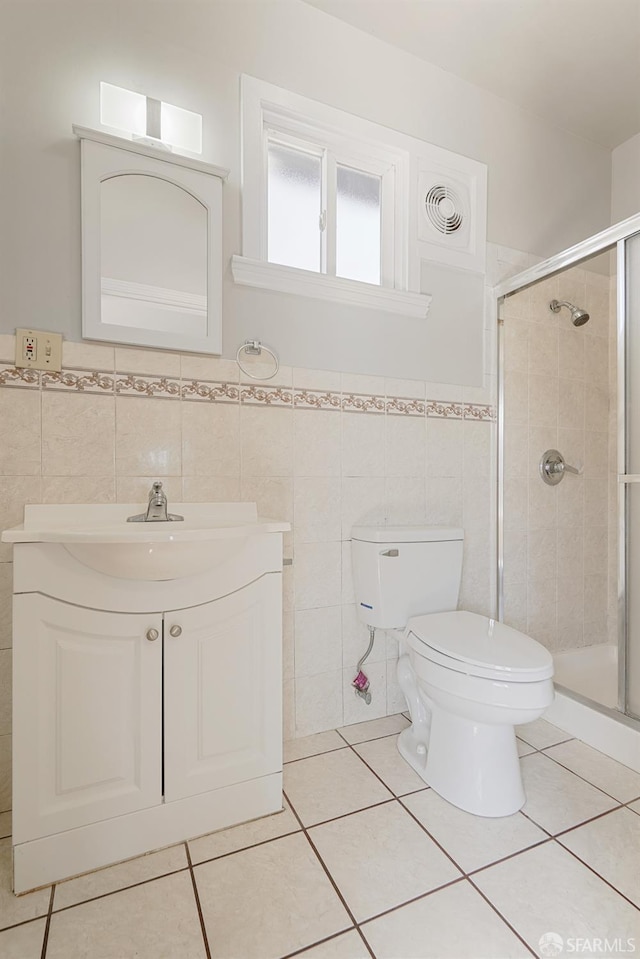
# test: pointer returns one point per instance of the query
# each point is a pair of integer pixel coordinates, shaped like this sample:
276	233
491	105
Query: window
324	212
325	204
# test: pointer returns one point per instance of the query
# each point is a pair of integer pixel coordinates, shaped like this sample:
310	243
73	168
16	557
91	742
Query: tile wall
560	542
322	450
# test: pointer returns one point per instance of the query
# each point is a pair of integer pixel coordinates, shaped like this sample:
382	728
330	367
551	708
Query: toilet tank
405	571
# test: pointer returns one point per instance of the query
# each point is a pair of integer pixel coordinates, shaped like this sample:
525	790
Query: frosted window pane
358	225
294	206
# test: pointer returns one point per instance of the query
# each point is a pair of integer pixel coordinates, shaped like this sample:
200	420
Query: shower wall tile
565	536
515	605
571	353
545	404
543	351
516	549
540	297
516	354
571	404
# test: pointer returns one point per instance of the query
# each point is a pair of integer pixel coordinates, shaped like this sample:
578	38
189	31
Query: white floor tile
331	785
383	757
523	748
453	923
611	846
5	824
125	874
312	745
242	836
556	799
541	734
158	920
23	942
380	858
374	729
635	806
14	909
268	901
473	841
547	890
349	945
612	777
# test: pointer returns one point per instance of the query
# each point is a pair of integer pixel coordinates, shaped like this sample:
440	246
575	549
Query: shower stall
569	478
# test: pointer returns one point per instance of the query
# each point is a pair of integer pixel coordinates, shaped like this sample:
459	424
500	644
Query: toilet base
472	765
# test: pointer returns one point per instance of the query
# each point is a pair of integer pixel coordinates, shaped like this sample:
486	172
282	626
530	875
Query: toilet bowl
468	680
477	680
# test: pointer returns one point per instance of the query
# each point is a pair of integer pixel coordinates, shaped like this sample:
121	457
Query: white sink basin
168	559
100	537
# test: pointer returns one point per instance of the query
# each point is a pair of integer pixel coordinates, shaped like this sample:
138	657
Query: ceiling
575	63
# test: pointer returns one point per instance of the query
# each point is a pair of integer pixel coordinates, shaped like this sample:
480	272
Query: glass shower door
629	467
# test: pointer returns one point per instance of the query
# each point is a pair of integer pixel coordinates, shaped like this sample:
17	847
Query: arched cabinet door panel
223	721
87	715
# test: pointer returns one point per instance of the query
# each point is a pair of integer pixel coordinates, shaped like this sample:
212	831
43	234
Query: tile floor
366	861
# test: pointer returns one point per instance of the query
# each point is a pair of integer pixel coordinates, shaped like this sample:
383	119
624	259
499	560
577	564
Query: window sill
288	279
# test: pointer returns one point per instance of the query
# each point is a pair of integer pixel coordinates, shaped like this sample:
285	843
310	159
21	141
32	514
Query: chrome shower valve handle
553	467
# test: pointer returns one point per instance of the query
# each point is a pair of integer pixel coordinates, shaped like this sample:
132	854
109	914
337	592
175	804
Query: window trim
269	109
323	286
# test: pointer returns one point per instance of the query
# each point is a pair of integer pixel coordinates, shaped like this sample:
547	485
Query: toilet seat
478	646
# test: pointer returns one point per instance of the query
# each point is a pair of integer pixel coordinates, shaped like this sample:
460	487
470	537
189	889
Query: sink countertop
107	523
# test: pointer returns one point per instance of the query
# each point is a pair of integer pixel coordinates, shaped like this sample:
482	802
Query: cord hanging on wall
255	348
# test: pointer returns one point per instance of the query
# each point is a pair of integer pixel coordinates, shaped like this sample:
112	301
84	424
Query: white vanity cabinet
222	722
87	717
146	712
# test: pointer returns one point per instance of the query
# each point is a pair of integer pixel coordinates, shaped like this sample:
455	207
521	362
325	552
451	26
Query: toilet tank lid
406	534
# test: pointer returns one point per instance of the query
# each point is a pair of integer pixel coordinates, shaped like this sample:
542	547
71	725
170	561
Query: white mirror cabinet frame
104	156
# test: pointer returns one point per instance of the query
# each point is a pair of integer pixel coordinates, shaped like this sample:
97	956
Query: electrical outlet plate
38	350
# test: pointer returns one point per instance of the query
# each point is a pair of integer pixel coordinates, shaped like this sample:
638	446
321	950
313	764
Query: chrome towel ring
255	348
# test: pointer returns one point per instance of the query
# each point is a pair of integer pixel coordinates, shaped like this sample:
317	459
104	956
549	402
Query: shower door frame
613	238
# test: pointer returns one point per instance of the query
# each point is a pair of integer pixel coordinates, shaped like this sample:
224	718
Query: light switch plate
38	350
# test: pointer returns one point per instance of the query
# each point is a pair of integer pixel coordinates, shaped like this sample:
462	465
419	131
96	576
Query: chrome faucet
157	508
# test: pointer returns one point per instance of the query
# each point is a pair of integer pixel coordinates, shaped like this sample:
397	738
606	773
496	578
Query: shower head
578	317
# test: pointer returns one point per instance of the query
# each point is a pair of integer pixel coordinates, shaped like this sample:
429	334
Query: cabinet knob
152	635
176	631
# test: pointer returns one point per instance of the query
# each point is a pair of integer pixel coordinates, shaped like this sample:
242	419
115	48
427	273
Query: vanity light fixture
157	122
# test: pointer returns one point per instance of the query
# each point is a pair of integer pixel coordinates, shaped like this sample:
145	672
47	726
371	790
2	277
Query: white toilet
468	680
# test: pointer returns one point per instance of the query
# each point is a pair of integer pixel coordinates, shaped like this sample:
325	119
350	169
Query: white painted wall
547	189
625	179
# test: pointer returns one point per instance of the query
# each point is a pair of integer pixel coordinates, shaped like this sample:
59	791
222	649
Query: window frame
269	111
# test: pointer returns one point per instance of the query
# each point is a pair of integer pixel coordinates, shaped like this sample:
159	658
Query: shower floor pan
591	671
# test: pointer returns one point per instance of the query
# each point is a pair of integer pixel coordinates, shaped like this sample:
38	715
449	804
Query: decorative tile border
316	400
258	396
78	381
12	376
403	406
207	391
356	402
147	386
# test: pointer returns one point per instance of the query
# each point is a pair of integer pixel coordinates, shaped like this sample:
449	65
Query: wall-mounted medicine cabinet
151	245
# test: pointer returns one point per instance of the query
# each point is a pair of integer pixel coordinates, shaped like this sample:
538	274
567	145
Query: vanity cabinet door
87	717
223	690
